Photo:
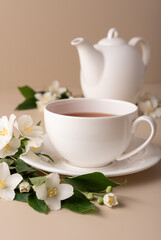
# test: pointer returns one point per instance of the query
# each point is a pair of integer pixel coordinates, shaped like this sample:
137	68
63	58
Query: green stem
13	158
98	194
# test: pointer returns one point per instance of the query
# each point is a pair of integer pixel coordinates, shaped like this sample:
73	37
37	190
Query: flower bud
100	200
109	189
24	187
110	199
90	196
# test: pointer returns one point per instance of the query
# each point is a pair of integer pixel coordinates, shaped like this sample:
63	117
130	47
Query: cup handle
153	126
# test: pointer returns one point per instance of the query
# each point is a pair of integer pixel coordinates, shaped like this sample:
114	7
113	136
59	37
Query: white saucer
141	161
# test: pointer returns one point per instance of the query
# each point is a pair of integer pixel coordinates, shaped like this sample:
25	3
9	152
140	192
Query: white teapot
112	68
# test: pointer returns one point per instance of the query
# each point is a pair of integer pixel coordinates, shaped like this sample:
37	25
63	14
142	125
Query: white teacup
93	141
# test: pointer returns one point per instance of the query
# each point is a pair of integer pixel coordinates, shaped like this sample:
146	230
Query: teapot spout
91	60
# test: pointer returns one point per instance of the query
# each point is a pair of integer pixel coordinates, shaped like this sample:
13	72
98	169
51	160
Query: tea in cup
94	132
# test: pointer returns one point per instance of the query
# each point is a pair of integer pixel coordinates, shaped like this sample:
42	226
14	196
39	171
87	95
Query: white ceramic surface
147	158
112	68
96	141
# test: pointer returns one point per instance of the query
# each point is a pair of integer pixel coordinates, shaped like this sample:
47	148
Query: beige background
35	49
35	36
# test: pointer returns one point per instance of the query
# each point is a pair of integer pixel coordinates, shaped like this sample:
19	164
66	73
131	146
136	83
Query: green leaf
29	103
78	203
27	175
24	142
21	166
18	153
27	92
36	204
38	180
22	197
39	123
7	160
64	95
92	182
47	156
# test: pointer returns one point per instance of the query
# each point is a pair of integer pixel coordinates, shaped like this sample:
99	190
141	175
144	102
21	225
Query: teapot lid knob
112	39
112	33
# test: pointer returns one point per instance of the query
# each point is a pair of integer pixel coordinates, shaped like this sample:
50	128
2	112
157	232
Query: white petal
158	112
27	119
37	131
154	102
13	180
144	106
4	122
14	147
27	150
12	152
11	122
62	90
38	96
33	147
14	143
65	191
53	203
7	194
16	126
31	158
3	153
40	106
54	85
4	141
24	120
4	171
41	192
36	142
46	95
53	98
52	180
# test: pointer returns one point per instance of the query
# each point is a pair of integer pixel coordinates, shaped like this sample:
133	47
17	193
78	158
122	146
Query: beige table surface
138	216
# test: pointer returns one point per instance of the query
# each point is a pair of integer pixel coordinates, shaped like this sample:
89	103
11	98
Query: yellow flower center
7	148
149	110
2	184
110	200
24	189
4	132
55	91
52	192
34	148
27	129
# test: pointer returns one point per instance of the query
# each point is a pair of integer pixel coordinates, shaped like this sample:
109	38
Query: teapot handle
145	49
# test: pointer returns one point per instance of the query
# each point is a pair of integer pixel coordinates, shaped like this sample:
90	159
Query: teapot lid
112	39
